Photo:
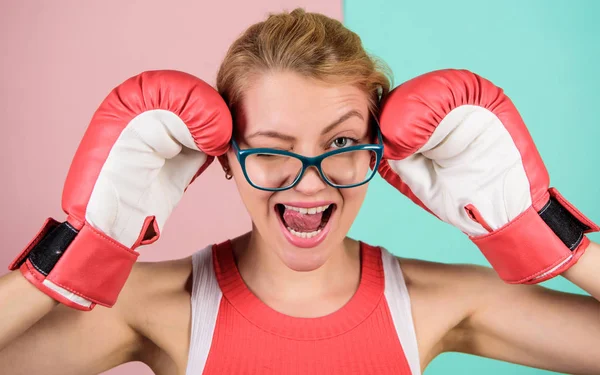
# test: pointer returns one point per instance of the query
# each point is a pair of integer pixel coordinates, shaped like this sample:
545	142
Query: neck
276	284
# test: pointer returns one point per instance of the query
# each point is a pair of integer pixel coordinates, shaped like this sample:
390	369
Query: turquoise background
545	54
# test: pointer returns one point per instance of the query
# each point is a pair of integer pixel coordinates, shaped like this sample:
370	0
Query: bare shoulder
154	279
156	303
444	275
442	297
460	286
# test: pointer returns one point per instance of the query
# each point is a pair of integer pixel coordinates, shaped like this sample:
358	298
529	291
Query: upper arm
525	324
69	341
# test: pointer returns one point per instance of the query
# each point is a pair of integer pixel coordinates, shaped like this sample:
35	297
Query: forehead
289	102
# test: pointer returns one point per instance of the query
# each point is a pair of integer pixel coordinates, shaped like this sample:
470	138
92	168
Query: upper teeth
309	211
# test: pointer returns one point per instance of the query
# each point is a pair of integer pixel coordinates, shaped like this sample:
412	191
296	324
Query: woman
295	294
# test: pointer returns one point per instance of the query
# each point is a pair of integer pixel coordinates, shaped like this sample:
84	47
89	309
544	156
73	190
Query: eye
342	142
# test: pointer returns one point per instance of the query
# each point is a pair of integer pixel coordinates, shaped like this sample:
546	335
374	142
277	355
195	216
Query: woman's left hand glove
456	145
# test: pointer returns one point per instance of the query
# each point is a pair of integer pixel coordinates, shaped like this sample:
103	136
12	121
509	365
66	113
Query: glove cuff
79	268
537	246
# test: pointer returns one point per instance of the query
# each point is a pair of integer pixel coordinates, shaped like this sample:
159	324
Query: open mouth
305	222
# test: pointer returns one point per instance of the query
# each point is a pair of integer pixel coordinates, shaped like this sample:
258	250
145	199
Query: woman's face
286	111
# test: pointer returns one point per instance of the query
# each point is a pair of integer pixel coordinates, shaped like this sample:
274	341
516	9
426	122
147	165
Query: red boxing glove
148	140
456	145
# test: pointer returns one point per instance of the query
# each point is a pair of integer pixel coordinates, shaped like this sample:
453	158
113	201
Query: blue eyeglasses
276	170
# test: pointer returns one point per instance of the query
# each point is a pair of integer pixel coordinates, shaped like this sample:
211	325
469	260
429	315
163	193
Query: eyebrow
289	138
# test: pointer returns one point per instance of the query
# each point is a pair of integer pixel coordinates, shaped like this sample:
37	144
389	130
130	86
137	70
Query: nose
310	183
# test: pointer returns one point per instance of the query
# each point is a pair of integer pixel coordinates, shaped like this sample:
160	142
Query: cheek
353	200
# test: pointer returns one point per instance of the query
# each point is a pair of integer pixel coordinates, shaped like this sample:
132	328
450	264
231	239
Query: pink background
61	58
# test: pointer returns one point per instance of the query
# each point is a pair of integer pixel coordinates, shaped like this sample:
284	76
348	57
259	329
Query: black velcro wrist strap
563	223
46	253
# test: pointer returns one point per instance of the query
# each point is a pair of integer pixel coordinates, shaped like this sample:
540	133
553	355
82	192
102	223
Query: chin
302	259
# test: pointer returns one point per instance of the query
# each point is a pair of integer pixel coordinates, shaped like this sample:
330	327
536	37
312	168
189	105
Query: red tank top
248	337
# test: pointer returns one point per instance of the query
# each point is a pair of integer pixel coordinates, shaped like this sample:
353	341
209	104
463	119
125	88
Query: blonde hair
310	44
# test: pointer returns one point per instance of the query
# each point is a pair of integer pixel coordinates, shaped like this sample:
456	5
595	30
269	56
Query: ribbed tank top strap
205	300
398	299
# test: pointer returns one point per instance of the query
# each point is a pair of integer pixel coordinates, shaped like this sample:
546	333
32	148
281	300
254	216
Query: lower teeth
304	234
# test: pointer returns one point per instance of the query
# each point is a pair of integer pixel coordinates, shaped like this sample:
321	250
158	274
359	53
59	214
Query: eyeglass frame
310	161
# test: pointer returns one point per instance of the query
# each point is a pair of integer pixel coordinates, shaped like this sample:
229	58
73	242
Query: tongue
302	222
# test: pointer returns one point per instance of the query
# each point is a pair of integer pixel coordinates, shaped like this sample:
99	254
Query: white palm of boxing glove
145	175
452	171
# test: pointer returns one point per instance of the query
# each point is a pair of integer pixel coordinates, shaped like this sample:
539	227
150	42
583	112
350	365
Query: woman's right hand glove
148	140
